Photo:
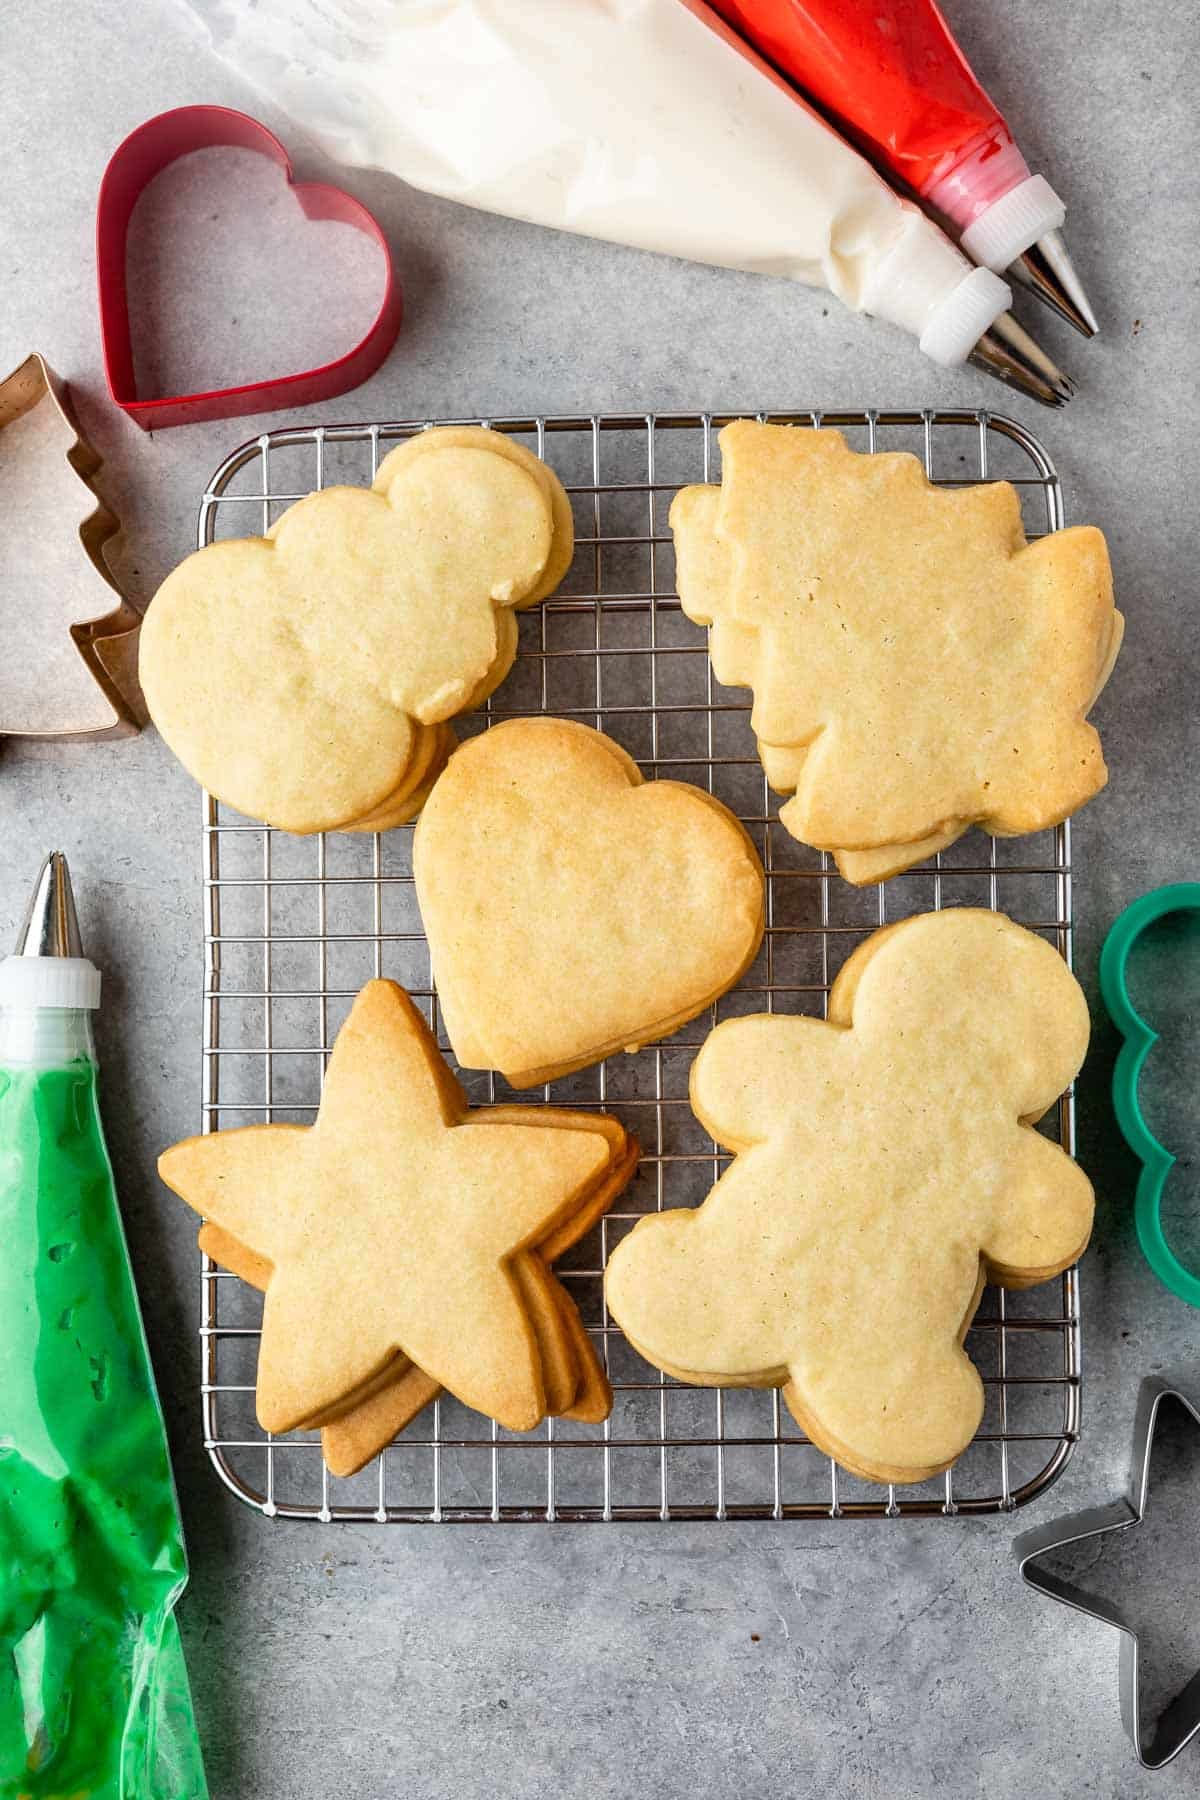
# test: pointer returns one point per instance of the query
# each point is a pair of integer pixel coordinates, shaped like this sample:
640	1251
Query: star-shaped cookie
390	1227
573	1376
885	1165
917	667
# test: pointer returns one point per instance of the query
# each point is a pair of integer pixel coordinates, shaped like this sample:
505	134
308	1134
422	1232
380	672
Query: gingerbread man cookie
885	1166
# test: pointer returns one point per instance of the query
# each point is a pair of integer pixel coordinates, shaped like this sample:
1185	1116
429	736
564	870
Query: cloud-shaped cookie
299	676
916	666
885	1164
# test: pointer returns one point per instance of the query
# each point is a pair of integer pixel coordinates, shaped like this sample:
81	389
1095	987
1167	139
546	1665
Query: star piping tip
1010	355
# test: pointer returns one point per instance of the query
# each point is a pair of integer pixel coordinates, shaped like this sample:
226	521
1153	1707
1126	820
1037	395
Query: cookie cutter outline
146	152
1139	1039
1179	1722
30	383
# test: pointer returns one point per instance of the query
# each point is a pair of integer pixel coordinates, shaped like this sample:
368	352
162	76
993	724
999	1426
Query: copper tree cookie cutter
106	644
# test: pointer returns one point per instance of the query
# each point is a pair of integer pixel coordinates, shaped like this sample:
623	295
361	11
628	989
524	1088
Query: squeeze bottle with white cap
94	1694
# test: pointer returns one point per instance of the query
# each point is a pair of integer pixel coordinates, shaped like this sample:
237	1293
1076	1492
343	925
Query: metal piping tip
1007	351
1046	270
51	925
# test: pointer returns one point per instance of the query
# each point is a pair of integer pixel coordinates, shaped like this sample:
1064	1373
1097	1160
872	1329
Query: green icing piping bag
94	1696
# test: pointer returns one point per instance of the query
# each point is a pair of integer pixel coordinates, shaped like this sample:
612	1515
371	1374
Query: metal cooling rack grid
294	926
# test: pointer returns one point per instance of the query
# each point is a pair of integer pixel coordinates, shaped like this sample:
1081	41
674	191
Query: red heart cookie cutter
134	164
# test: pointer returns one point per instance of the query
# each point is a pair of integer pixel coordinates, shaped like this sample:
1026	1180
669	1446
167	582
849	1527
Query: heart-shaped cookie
571	908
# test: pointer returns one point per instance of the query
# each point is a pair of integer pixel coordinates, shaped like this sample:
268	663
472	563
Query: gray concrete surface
894	1660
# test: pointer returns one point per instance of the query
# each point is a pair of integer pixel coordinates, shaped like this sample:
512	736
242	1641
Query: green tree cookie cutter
1156	1161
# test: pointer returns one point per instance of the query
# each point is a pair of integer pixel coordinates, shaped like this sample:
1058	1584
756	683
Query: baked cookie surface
885	1165
573	1374
306	677
572	909
391	1233
917	667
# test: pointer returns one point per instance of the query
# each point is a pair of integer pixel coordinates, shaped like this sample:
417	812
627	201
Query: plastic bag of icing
94	1696
646	122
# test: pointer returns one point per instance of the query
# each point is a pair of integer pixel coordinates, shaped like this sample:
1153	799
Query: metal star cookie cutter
1179	1722
1157	1162
106	644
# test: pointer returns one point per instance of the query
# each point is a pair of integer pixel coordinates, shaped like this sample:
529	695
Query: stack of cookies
405	1242
573	909
307	678
885	1166
917	668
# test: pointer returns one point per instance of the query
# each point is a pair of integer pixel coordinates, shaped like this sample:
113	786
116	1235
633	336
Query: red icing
888	72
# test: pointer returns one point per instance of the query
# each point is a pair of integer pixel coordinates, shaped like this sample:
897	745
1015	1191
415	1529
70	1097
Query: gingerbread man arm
1045	1218
669	1284
749	1071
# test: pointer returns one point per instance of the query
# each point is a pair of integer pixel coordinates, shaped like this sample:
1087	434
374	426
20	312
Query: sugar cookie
885	1163
305	677
572	909
390	1227
917	667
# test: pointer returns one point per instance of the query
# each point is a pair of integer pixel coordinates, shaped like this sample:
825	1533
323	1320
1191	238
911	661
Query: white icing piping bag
641	121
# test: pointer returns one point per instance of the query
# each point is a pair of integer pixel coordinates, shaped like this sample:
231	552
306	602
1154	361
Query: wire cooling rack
294	926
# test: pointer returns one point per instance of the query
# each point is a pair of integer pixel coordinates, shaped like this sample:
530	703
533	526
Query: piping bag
892	75
94	1695
645	122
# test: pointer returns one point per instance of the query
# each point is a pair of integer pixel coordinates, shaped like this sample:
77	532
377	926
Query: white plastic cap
968	310
924	283
42	981
1009	225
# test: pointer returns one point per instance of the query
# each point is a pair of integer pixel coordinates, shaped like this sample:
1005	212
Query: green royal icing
94	1696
